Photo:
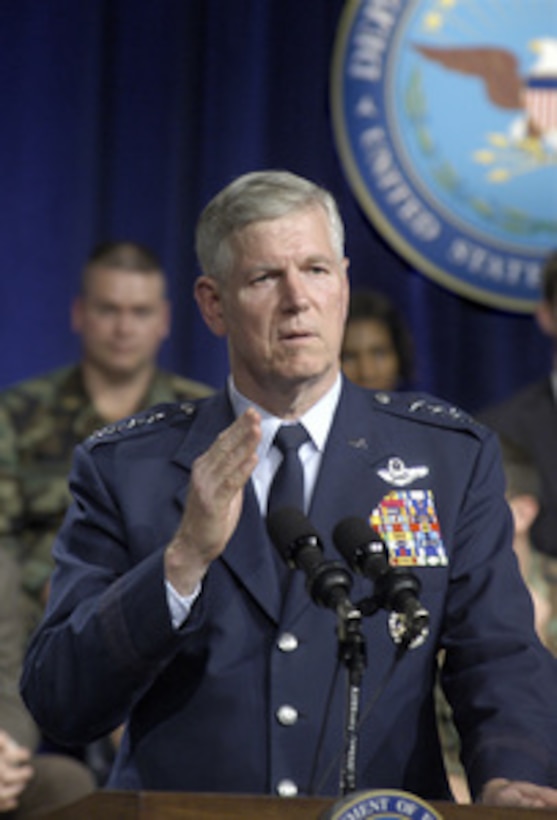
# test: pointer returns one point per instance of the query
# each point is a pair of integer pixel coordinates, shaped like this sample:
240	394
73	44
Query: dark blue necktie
287	487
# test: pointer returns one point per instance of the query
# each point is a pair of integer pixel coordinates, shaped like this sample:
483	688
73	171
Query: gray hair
255	197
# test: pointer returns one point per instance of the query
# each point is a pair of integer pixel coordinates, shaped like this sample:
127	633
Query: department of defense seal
381	805
445	117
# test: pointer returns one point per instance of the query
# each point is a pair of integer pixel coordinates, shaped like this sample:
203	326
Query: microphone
299	544
396	588
328	583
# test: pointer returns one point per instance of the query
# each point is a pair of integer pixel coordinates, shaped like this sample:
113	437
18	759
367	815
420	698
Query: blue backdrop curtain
120	118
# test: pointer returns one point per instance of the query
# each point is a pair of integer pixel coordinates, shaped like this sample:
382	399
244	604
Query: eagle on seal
535	94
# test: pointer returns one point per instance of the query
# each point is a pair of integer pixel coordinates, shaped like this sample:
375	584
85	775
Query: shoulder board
142	422
424	408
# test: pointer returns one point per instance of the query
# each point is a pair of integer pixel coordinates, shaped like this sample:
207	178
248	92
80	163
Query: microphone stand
352	652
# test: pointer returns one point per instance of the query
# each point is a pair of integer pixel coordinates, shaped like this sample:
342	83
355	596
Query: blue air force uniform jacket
237	699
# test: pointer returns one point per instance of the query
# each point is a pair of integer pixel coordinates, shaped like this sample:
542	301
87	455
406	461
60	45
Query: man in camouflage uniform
122	316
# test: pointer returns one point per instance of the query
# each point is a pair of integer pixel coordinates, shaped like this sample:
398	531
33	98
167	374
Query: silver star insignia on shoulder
398	474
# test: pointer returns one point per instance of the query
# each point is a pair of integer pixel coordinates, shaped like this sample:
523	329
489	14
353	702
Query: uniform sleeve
107	631
499	679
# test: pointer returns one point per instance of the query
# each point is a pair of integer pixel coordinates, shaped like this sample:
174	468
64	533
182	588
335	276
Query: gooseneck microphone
299	544
328	583
396	589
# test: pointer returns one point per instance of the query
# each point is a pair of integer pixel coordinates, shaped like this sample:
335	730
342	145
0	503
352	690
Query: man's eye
264	276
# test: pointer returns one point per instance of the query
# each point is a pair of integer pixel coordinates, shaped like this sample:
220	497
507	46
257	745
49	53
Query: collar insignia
399	474
358	443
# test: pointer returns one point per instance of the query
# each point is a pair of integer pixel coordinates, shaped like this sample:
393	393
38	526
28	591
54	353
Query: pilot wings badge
398	474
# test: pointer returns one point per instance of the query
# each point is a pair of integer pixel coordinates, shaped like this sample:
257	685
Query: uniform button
287	715
287	642
287	788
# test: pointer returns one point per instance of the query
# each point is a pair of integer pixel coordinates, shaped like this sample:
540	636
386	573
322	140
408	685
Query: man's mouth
294	335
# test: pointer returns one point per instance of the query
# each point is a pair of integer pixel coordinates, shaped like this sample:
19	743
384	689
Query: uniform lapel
249	554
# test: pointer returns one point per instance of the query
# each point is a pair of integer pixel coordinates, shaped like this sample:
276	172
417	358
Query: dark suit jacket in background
202	701
529	421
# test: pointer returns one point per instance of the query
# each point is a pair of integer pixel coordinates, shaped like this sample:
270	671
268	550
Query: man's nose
294	287
124	322
368	364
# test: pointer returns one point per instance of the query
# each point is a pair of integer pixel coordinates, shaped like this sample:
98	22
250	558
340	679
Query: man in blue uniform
169	610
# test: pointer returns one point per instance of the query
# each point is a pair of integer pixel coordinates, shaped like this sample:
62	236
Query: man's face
369	357
284	304
122	319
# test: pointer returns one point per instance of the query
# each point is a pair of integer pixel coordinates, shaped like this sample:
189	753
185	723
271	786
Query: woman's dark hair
370	304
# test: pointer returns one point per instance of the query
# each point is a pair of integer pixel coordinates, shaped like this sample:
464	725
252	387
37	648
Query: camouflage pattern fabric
41	421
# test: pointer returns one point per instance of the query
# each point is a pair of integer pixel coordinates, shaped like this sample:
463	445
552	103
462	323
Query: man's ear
346	265
545	317
166	320
208	296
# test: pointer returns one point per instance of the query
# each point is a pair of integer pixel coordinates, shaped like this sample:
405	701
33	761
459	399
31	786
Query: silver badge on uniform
398	474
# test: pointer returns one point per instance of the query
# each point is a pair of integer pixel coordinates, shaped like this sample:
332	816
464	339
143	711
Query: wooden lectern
119	805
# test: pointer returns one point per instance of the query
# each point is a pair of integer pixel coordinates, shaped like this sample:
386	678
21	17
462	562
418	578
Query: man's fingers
15	773
500	792
11	753
214	502
237	444
229	462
